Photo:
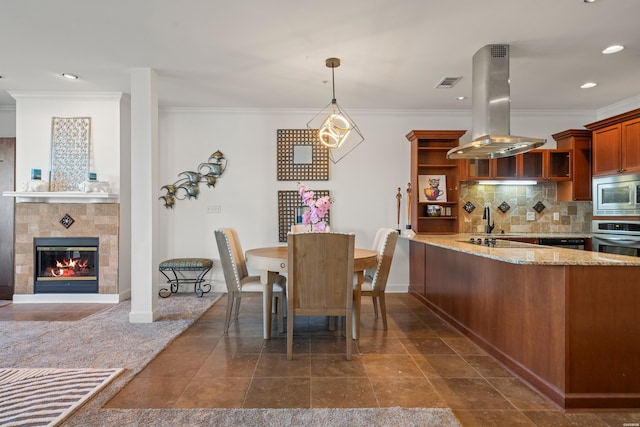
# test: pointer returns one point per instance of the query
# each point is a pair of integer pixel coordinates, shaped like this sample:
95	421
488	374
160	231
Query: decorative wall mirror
70	140
301	157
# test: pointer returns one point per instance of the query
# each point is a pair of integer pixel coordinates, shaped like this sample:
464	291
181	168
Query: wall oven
616	237
616	195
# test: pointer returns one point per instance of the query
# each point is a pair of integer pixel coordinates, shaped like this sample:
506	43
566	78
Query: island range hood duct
491	105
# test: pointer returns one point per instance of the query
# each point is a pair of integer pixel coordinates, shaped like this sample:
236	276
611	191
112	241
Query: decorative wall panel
301	157
288	202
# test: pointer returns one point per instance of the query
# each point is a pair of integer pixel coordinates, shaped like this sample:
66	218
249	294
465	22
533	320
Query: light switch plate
556	216
531	216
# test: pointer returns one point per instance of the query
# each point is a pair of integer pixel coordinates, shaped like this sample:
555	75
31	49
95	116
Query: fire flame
69	267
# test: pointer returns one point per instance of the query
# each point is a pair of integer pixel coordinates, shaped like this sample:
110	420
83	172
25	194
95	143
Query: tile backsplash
573	217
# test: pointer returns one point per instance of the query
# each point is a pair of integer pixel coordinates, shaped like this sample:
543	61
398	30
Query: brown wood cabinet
579	187
537	165
569	330
483	169
546	165
429	157
616	144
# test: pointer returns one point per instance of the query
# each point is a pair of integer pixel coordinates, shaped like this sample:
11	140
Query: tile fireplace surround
90	220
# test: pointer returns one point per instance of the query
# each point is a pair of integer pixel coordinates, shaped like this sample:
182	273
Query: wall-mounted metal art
288	203
70	139
189	186
301	157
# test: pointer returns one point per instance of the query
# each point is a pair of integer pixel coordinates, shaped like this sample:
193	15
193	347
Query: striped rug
45	397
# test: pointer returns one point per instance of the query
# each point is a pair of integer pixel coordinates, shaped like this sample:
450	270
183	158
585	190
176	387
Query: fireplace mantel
61	197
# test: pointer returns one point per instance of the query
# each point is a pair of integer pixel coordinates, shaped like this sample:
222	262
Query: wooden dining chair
375	280
239	282
320	280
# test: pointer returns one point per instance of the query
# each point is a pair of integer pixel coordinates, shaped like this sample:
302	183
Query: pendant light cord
333	84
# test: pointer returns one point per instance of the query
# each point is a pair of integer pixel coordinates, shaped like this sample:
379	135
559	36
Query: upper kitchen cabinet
435	211
538	165
546	165
578	142
616	144
483	169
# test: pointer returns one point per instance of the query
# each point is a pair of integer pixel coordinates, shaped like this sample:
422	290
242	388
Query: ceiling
271	54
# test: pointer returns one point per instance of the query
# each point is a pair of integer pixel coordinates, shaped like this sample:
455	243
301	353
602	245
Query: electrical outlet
556	216
214	209
531	216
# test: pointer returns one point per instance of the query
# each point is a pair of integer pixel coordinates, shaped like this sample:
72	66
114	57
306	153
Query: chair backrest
320	273
232	258
385	244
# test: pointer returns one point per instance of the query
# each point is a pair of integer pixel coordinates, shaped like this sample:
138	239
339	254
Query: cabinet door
482	169
631	146
417	266
506	168
558	165
606	150
533	165
477	169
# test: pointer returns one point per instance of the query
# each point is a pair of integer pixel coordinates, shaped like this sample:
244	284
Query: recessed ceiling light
461	98
589	85
589	1
613	49
70	76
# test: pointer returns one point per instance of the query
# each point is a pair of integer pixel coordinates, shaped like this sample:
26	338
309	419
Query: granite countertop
524	253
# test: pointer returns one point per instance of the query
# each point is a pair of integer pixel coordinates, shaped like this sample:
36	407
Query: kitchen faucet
487	215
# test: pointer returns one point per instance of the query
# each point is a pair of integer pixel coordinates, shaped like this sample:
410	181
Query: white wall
7	122
364	184
34	111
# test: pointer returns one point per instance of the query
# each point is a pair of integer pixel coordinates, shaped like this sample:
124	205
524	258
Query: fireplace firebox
65	265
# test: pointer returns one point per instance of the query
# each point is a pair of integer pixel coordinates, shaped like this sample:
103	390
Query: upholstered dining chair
239	282
375	280
320	272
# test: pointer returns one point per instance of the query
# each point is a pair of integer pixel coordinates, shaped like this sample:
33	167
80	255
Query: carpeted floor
44	397
107	340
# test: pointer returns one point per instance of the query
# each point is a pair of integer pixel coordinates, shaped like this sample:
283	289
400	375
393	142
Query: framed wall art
288	204
432	188
301	157
70	139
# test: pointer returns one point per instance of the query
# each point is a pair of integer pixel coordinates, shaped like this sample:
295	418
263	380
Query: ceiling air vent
448	82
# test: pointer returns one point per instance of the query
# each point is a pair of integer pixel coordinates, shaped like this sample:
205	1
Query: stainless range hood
491	105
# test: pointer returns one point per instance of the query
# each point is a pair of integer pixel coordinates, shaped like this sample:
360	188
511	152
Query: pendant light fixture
336	130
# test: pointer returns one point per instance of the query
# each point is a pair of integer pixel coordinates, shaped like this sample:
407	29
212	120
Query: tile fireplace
66	264
43	220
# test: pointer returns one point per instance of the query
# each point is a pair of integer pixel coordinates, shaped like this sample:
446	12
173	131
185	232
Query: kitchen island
566	321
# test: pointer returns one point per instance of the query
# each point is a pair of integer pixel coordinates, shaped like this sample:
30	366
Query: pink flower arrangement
317	209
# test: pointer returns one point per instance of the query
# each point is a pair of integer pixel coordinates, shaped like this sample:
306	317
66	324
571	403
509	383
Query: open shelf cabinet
429	159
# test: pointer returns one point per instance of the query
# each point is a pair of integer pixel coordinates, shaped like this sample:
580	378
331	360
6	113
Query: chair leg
375	306
227	318
383	310
237	301
280	308
349	333
290	337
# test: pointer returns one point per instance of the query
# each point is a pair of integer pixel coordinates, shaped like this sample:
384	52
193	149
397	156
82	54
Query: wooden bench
172	266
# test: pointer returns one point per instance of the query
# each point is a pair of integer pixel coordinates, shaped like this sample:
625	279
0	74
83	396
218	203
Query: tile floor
418	362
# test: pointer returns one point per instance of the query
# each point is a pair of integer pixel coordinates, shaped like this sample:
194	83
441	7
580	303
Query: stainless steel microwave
616	195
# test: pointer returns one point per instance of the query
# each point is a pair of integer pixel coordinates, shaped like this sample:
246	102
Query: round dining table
271	261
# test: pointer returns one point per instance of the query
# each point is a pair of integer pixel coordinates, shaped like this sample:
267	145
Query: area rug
45	397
